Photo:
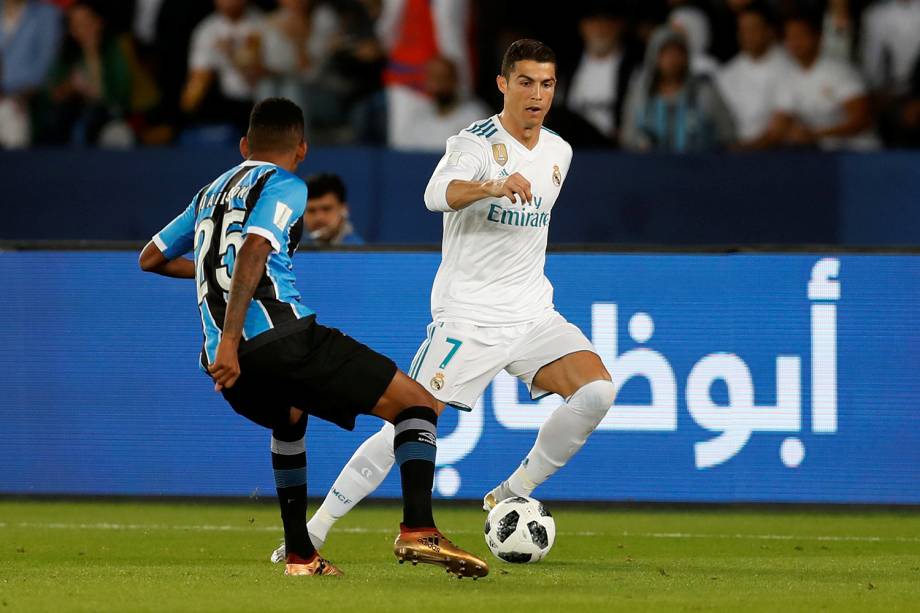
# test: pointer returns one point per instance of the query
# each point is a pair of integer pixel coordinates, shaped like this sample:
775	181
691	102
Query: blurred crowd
643	75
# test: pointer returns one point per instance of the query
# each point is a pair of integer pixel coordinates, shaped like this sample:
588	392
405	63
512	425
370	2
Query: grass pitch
91	556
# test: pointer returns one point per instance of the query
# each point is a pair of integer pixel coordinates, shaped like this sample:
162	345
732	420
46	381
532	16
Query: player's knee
293	428
594	399
420	397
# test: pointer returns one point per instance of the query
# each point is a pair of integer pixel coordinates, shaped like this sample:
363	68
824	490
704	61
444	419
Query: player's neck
529	137
281	160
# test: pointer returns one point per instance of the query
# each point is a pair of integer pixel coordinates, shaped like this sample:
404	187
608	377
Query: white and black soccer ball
520	530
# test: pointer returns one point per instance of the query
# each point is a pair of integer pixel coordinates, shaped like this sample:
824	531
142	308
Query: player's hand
510	187
226	367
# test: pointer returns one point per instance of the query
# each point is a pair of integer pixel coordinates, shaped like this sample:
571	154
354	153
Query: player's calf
560	437
289	463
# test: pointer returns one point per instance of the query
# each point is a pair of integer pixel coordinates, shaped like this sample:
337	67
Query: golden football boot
489	502
316	565
429	546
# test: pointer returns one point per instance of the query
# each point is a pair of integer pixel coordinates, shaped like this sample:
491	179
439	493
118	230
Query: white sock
560	437
363	474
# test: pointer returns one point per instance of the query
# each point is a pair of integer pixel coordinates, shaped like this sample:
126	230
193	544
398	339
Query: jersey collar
527	154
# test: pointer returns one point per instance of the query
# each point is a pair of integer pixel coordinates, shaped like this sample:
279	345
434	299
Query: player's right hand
225	369
511	187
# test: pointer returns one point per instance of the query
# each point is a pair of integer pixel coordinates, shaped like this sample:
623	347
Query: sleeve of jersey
463	161
281	203
178	237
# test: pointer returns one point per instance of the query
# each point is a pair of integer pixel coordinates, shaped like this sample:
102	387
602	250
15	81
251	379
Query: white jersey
494	251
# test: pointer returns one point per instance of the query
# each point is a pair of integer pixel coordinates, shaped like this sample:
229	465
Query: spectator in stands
414	32
223	65
823	101
596	90
166	57
838	31
749	82
438	113
296	42
30	35
900	121
144	23
345	99
91	86
891	44
669	107
326	219
694	24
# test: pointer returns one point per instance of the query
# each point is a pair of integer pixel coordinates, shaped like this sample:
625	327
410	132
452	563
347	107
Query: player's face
529	91
325	215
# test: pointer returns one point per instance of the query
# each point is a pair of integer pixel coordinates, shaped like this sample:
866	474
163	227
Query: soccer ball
520	530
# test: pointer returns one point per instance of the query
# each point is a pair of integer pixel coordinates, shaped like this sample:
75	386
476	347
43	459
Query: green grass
170	557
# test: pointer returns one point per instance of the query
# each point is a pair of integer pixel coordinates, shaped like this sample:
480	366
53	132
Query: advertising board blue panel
743	378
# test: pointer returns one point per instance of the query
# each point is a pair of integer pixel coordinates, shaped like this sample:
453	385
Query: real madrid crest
437	381
557	175
500	153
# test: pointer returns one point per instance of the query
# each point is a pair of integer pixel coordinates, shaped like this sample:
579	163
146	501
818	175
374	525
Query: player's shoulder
287	181
555	141
474	139
270	181
479	132
482	128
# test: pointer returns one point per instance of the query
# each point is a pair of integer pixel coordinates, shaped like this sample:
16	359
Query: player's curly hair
275	124
526	49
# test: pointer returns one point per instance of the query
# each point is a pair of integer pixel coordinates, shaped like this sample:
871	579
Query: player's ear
502	83
301	151
244	148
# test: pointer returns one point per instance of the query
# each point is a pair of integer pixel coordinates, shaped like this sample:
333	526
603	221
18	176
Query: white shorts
457	361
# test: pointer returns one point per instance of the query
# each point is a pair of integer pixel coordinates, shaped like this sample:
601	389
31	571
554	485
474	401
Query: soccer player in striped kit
270	359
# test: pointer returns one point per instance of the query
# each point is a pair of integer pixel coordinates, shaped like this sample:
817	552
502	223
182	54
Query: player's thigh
458	361
255	396
334	377
402	393
556	357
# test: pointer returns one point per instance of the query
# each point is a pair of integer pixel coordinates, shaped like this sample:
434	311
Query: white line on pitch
655	535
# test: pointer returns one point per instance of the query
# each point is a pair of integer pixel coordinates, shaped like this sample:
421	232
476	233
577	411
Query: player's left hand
225	369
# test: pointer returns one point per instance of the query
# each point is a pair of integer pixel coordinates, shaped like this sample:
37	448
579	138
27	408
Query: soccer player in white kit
491	304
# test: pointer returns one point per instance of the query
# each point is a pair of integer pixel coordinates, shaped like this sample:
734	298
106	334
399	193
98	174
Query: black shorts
318	370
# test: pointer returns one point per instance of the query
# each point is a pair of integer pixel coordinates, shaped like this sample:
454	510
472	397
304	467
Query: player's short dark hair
526	49
323	183
275	124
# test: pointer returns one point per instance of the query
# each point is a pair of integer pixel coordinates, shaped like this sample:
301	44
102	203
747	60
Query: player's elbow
150	258
145	263
436	196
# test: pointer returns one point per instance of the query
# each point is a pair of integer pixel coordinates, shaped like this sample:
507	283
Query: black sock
415	446
289	461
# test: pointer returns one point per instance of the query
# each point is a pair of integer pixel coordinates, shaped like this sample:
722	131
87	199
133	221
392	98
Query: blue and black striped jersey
252	198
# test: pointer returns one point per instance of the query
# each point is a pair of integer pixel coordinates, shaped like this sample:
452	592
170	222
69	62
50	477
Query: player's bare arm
247	272
461	194
153	260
